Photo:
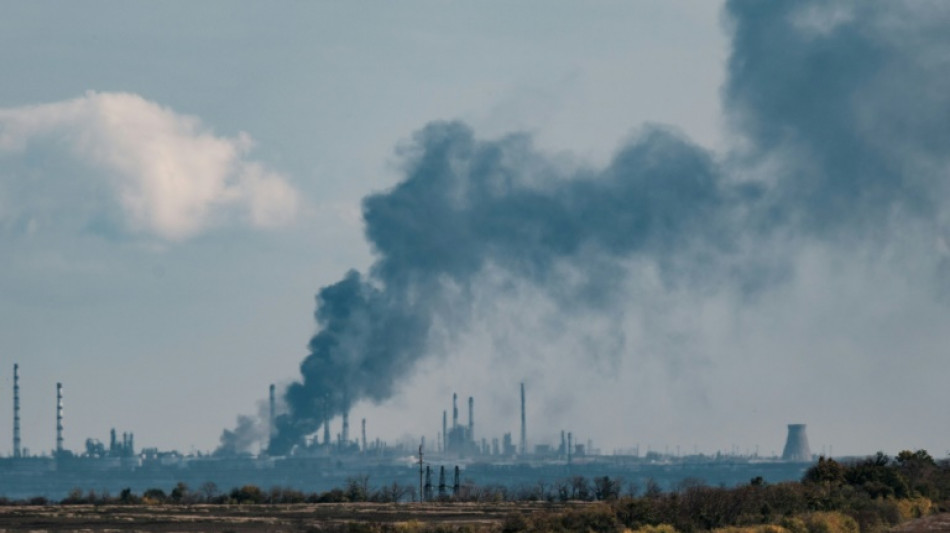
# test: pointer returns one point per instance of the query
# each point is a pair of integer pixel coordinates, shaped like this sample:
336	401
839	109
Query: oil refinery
319	464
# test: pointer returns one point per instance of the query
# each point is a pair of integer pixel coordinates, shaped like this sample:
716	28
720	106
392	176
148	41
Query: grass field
266	518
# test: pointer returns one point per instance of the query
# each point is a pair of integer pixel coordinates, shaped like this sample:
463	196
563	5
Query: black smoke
466	204
843	117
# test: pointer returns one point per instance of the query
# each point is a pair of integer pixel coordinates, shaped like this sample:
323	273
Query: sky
682	224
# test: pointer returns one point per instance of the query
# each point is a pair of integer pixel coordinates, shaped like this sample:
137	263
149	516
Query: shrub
638	513
595	518
128	497
794	524
914	508
412	526
514	523
661	528
830	522
74	497
154	496
762	528
247	494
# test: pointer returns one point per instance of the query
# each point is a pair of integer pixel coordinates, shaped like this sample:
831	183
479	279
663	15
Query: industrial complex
321	464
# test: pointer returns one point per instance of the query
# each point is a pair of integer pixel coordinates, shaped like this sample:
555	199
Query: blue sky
177	182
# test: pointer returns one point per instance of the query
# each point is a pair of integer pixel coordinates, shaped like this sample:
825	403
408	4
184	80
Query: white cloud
169	174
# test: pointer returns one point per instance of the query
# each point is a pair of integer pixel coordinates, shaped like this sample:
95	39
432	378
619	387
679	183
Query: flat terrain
246	518
296	518
937	522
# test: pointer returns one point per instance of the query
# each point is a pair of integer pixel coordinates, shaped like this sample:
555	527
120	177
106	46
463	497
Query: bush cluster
867	495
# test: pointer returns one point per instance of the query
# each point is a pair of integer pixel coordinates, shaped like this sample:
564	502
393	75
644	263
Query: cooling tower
796	445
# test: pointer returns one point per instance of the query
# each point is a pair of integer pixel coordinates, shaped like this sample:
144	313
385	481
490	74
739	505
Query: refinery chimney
59	419
346	421
445	431
16	410
524	429
796	445
272	423
326	422
364	436
471	418
455	411
570	444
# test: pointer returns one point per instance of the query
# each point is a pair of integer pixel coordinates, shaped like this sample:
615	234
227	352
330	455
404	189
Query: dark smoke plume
242	438
466	204
843	112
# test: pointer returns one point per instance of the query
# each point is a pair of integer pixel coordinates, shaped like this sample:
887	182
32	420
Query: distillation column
16	410
59	419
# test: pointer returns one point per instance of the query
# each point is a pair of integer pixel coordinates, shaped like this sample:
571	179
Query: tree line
869	494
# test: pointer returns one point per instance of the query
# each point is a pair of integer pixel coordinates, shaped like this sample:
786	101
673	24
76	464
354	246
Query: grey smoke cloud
849	103
467	204
843	132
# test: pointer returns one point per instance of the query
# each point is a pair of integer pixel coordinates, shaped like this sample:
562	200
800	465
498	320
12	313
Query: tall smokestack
524	428
471	418
570	444
796	445
445	431
346	421
16	410
326	422
422	494
272	423
59	419
364	436
455	411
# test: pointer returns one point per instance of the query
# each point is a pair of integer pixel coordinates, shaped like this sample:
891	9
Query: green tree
128	497
357	488
154	495
918	468
179	493
877	477
247	494
825	472
606	488
209	489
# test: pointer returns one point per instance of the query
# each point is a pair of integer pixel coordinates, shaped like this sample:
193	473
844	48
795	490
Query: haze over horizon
681	224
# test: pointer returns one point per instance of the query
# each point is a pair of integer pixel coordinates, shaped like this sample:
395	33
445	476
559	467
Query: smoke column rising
839	119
